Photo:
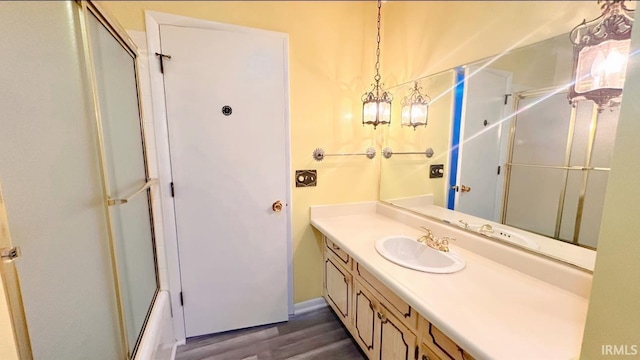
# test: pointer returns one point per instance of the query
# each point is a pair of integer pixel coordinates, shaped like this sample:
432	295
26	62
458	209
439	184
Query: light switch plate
436	171
306	178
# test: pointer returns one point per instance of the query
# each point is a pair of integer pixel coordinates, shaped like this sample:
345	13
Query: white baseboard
174	348
309	305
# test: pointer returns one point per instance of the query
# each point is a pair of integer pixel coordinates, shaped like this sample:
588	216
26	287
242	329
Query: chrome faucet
486	229
431	241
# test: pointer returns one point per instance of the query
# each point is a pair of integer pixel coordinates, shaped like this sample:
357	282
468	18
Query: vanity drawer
339	253
440	344
399	307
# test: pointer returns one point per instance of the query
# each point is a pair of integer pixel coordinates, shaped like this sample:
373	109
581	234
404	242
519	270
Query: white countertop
490	310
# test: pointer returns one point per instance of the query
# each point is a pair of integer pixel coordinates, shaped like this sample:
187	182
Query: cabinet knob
277	206
382	317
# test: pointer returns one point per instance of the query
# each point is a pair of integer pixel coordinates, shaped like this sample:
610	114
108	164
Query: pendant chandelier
376	104
600	54
415	108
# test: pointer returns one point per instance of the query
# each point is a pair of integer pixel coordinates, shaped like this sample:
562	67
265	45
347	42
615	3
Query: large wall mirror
510	157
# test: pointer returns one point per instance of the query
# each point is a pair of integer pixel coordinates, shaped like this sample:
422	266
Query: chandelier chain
377	77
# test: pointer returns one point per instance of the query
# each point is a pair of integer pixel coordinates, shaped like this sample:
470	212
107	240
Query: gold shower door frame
13	294
565	166
8	272
87	9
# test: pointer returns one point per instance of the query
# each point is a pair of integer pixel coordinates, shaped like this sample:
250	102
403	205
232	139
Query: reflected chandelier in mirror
601	50
515	153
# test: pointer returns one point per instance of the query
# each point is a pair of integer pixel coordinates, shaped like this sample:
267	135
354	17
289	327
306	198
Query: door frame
153	21
458	129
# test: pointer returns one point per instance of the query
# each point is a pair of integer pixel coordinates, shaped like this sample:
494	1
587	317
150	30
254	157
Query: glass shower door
558	169
127	182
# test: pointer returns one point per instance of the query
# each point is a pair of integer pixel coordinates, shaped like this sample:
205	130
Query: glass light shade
600	54
602	66
415	108
376	110
406	115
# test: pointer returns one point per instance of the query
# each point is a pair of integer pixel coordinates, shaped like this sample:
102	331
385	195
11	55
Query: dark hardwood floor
317	335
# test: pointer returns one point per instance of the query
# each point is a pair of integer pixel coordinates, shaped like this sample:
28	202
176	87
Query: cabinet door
337	289
365	319
391	301
396	341
427	354
446	346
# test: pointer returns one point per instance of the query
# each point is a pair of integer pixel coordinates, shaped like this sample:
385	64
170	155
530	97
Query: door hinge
173	191
498	169
506	96
161	58
416	353
181	299
10	254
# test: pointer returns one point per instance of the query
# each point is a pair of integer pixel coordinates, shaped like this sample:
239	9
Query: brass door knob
277	206
464	188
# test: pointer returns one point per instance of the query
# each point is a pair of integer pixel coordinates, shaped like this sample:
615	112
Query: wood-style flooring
317	335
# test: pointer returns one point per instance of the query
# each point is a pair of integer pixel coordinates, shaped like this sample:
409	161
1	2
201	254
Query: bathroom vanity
504	304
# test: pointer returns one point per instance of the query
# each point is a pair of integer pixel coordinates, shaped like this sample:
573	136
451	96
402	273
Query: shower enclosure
75	184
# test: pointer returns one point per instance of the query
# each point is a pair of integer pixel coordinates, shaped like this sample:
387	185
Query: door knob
461	188
277	206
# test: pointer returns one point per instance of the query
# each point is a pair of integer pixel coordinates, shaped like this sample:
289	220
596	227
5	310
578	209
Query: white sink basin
407	252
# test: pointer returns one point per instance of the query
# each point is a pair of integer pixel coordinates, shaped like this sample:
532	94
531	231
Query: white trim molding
309	305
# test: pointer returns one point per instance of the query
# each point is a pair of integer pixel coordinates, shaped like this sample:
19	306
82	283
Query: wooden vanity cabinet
338	292
440	345
380	334
395	340
427	354
384	326
398	307
340	254
364	321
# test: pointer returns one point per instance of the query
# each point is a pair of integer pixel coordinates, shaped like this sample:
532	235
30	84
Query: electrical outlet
436	171
306	178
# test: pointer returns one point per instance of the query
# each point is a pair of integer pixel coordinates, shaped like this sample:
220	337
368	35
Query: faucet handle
444	243
464	223
486	228
428	231
446	240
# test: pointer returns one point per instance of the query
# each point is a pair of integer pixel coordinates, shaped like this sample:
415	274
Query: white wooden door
480	142
227	172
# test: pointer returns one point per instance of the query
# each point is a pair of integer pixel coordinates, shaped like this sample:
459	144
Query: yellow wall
331	49
614	310
425	37
540	65
408	175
